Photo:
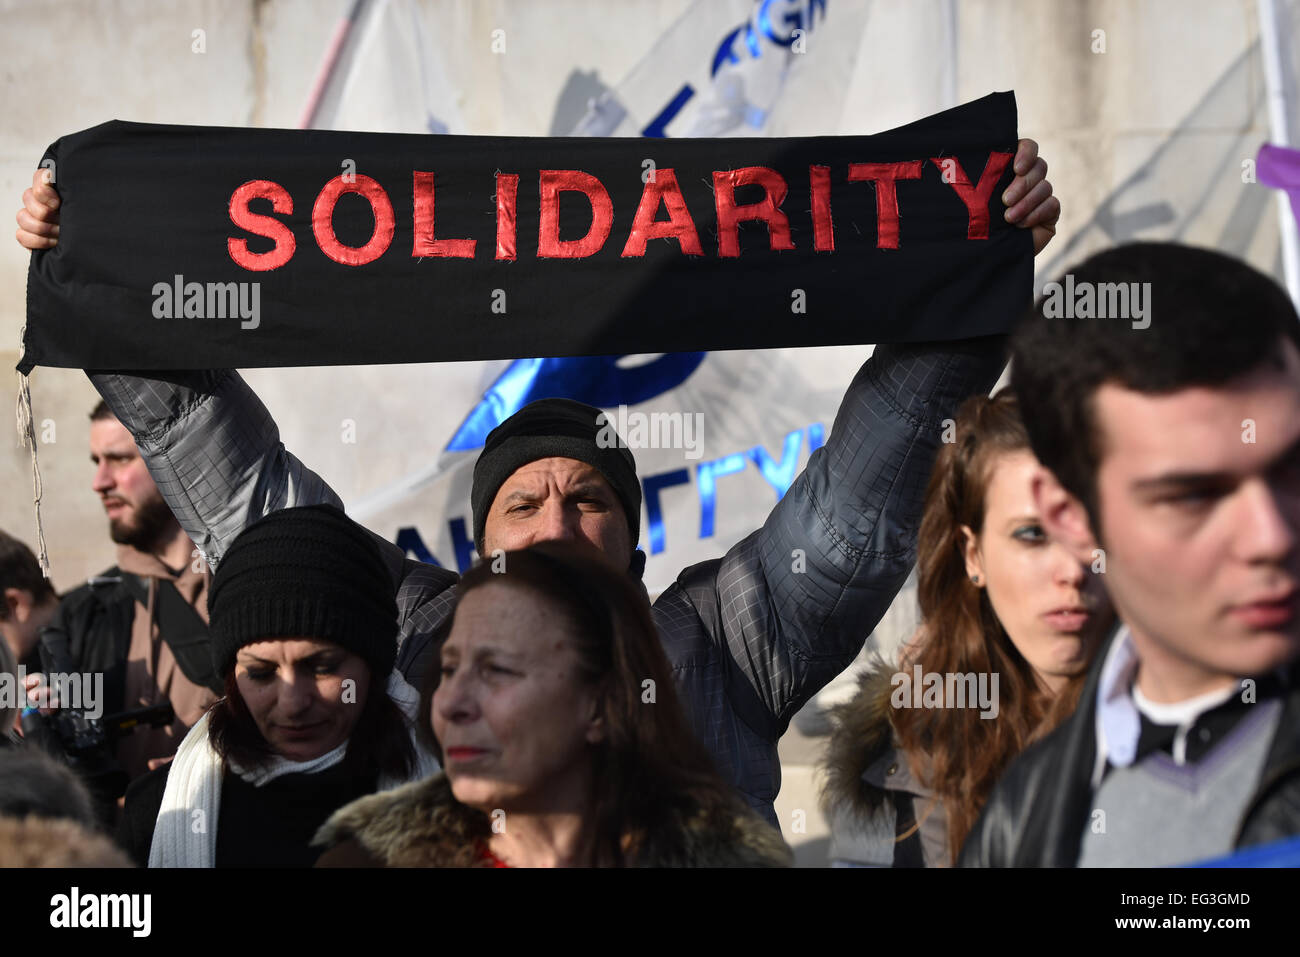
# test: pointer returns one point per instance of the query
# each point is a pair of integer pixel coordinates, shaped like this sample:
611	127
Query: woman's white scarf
185	834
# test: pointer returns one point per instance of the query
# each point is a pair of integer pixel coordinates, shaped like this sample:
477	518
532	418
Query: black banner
198	247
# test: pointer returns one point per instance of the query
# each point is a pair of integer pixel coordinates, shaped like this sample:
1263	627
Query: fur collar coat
422	825
870	788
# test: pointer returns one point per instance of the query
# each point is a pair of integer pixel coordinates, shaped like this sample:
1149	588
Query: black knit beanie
304	572
555	427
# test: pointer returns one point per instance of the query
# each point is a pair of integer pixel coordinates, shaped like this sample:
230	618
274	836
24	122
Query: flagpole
1275	85
330	63
950	61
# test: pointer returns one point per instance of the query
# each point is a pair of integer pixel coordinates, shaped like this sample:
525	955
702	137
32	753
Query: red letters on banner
322	220
659	189
552	182
819	184
425	244
261	225
976	198
662	185
767	209
885	176
507	193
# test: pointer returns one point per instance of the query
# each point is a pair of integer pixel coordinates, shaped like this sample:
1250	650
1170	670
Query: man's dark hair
1208	319
20	569
101	411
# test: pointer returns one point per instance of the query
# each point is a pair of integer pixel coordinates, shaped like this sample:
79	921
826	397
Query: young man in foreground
1173	439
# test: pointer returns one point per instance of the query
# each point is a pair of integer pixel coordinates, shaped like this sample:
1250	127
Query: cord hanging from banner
27	434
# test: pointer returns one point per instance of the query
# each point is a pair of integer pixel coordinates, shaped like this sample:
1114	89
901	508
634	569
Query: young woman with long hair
1009	621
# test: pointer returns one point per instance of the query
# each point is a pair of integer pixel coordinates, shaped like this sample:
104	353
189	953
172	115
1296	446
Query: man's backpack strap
180	626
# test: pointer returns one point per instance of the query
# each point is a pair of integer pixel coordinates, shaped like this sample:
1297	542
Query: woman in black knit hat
302	621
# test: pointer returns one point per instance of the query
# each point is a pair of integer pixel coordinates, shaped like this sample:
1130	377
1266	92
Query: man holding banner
913	259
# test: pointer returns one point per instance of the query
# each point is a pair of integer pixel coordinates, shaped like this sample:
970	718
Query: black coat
1038	810
97	619
270	826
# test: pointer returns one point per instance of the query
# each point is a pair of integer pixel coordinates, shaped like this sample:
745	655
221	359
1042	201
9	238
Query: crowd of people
1105	672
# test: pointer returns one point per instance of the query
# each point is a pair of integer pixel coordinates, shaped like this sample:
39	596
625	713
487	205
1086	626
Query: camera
77	731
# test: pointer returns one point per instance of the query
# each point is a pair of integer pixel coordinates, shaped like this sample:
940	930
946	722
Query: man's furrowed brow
589	488
529	491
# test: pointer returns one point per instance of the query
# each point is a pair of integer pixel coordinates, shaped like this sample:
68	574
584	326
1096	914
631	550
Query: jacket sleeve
213	450
794	602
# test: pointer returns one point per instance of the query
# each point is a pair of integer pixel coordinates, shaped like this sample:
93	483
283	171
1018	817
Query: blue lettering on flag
410	542
779	475
651	486
706	477
658	127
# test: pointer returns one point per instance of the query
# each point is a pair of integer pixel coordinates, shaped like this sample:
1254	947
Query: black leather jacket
1039	809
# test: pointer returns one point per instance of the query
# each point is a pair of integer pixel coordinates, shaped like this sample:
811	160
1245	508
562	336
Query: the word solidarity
78	910
374	248
922	689
661	190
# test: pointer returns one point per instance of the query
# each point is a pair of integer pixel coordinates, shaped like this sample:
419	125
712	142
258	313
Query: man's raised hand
1029	200
38	220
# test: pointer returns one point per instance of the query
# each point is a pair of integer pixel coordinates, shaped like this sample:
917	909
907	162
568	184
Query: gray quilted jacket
749	639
